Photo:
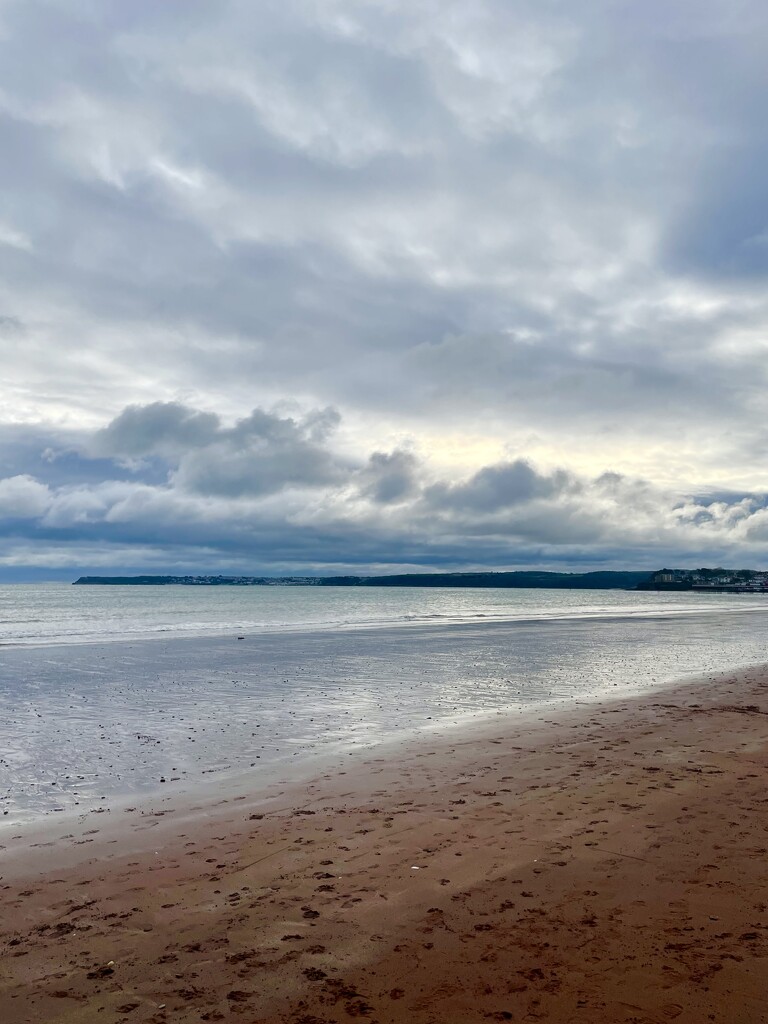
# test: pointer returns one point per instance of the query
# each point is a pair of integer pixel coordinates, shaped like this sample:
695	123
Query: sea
113	694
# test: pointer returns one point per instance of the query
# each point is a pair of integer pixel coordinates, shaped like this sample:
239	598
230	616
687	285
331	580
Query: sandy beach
602	864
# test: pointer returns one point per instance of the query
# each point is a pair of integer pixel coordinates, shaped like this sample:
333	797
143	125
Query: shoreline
109	722
194	799
604	862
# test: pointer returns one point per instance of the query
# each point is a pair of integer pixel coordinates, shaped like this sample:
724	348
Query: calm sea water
114	693
61	613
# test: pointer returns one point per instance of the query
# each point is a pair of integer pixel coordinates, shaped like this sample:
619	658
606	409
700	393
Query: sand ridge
607	865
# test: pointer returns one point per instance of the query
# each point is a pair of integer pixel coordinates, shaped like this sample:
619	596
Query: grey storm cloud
515	253
259	454
159	428
498	487
391	476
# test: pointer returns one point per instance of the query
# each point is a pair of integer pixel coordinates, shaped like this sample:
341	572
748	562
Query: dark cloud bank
369	286
177	488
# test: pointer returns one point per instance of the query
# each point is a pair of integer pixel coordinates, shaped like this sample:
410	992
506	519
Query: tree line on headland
561	580
721	580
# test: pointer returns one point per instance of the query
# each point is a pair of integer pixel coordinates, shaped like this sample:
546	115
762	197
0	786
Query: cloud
23	497
261	454
276	493
512	248
390	477
159	428
498	487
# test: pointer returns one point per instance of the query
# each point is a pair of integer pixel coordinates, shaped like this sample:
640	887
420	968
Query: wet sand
605	864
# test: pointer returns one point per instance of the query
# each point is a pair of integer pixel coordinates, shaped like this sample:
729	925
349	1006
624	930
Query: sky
382	285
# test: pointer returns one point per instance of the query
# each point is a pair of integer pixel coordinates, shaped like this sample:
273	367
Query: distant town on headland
735	581
712	580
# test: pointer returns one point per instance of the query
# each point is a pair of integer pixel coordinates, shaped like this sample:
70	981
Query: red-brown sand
607	865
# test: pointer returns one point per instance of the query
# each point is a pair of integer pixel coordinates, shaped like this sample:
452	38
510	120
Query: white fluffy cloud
23	497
